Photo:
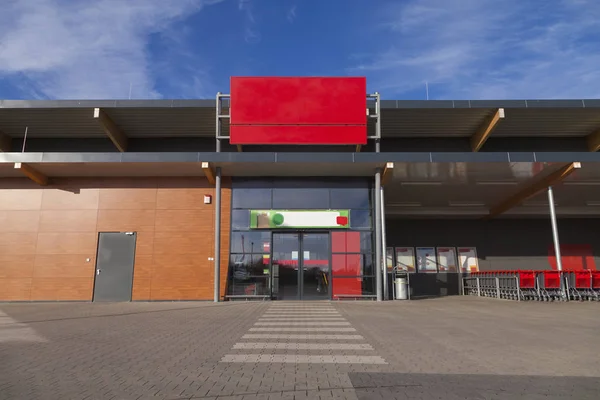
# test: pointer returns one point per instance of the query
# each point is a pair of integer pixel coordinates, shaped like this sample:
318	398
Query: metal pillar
217	257
378	122
554	228
384	249
378	233
218	124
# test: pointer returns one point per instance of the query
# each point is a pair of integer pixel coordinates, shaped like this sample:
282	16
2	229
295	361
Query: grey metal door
114	266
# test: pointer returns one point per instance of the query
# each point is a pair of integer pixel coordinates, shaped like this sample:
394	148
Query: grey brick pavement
453	348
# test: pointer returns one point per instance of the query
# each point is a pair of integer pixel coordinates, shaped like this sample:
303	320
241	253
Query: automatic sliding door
285	262
315	266
301	266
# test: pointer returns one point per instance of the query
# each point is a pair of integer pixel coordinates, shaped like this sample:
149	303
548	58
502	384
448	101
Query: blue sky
464	49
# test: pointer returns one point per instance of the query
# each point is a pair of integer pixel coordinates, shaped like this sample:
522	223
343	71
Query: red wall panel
293	110
346	286
345	242
346	265
297	134
290	101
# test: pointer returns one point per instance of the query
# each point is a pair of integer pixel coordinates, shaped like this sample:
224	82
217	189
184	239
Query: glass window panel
248	275
368	285
251	198
366	242
250	286
368	264
246	265
240	219
304	199
351	198
360	219
251	242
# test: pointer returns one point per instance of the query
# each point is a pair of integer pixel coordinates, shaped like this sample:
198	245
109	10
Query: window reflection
251	198
296	198
251	242
248	275
360	219
350	198
240	219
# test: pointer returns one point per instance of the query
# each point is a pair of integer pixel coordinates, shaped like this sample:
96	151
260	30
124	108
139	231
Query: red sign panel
267	110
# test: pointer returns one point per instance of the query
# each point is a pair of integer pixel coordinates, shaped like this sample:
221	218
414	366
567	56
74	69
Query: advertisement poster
426	260
447	259
389	258
467	257
405	259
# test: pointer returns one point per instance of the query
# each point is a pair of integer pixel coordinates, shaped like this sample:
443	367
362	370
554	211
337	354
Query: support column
378	233
554	228
384	249
217	257
378	122
218	124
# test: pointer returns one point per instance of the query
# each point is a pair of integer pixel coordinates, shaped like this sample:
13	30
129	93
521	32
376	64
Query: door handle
98	271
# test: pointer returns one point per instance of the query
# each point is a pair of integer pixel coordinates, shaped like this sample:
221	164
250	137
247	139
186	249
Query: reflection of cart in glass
322	281
249	277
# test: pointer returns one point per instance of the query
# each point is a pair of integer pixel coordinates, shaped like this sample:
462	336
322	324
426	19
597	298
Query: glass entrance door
285	266
315	266
300	266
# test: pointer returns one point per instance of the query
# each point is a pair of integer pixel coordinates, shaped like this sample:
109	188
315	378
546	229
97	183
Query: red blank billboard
270	110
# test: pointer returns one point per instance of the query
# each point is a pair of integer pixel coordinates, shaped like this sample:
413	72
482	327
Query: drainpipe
217	257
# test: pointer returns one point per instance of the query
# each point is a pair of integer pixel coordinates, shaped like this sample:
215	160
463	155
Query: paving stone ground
450	348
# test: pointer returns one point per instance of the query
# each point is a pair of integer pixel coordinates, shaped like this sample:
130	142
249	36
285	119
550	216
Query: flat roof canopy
400	118
450	185
475	189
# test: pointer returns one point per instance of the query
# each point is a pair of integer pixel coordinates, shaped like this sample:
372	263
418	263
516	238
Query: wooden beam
111	129
239	148
5	142
485	130
32	173
208	172
593	141
358	146
534	188
388	171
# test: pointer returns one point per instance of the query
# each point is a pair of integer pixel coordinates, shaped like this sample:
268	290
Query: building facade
186	200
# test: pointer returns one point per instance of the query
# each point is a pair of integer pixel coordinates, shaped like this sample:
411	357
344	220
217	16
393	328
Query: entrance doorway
301	267
114	266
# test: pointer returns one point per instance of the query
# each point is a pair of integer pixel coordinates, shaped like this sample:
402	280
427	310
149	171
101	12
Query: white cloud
251	33
291	15
488	49
85	49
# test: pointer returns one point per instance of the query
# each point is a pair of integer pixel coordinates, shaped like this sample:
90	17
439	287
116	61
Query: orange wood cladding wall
47	234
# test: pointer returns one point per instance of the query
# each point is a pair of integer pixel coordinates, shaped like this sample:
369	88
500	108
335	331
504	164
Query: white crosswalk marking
301	336
303	346
319	330
307	323
302	329
302	358
288	319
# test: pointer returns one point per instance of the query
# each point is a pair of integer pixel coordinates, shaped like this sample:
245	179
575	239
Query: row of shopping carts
534	285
